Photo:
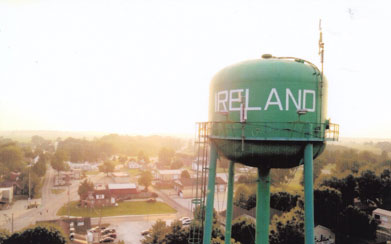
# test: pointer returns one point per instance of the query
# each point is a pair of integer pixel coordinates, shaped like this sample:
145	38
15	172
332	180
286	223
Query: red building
106	195
120	190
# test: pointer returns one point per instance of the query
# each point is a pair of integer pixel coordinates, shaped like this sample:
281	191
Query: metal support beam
263	207
207	237
308	194
230	193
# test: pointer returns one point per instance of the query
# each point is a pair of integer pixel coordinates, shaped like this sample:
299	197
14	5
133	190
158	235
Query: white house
169	174
7	194
133	165
323	235
83	166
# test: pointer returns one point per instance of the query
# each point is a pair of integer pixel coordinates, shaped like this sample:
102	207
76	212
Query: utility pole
12	223
69	201
29	185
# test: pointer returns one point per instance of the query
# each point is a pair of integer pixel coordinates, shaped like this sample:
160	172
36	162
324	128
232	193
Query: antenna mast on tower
321	46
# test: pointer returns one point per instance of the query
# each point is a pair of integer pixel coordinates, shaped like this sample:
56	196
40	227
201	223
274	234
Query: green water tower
267	113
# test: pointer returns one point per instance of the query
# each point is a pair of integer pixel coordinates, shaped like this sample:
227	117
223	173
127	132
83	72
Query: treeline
357	183
80	150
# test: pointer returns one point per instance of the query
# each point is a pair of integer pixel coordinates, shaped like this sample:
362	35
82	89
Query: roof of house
382	212
193	181
99	187
220	181
121	186
6	184
322	228
170	171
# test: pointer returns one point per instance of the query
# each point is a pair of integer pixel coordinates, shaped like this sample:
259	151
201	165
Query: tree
368	187
40	167
35	182
157	233
145	179
288	228
4	235
327	206
85	187
176	234
142	156
281	176
107	167
347	186
176	164
283	201
44	234
166	155
355	223
241	196
58	161
185	174
243	230
11	157
385	192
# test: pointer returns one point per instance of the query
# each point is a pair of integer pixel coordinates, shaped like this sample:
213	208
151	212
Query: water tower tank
263	112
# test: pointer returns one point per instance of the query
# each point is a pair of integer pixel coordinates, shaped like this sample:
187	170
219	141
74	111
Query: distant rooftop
122	186
170	171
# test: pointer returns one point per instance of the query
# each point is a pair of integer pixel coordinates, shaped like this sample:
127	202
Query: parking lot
130	232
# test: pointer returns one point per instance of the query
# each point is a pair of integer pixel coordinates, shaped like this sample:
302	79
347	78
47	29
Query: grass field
123	208
132	172
92	172
57	191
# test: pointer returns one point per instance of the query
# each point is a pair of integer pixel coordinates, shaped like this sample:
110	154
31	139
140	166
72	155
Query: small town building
186	187
6	194
120	190
168	174
16	188
323	235
134	165
87	166
107	195
100	196
383	218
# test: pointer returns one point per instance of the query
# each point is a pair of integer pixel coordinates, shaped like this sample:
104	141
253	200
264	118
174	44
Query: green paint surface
253	111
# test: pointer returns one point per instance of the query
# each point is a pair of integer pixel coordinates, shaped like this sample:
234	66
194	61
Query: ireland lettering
239	99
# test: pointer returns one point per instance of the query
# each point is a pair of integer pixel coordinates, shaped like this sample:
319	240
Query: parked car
183	219
112	235
107	231
145	232
97	229
106	240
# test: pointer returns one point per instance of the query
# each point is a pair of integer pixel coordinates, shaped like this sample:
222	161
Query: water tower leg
230	192
210	195
263	207
308	194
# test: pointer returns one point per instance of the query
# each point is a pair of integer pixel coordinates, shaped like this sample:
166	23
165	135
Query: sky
144	67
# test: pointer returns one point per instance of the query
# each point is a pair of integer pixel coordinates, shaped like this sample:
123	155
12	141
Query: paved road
50	203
